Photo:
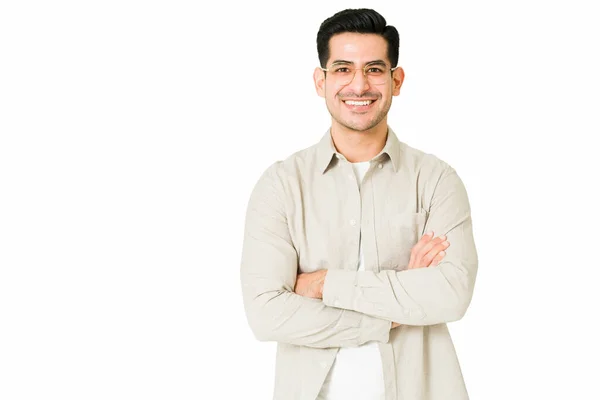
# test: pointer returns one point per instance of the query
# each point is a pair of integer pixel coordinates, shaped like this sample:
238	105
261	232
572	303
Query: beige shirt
306	213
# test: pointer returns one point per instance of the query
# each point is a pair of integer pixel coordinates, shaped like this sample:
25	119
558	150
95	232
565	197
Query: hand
310	284
428	252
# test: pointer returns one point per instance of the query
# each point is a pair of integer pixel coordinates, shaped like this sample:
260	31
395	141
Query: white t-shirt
357	372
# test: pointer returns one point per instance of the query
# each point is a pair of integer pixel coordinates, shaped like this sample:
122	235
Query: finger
426	238
420	249
434	252
442	245
427	247
438	258
415	249
426	254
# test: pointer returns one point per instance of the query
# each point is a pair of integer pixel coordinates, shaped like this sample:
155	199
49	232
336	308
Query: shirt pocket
405	231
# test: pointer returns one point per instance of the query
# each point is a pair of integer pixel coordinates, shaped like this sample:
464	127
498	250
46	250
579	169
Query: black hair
361	20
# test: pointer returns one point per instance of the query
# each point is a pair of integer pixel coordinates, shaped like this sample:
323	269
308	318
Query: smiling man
336	265
359	103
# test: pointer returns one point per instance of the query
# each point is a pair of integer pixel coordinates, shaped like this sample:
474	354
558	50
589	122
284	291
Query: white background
133	132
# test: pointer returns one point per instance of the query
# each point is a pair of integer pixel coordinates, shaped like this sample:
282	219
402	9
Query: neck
359	146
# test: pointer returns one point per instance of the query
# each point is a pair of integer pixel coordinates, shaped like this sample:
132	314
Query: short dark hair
361	20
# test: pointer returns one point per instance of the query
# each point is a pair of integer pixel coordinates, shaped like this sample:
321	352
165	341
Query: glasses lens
344	74
377	74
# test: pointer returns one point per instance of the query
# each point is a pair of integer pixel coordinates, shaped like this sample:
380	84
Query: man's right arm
268	274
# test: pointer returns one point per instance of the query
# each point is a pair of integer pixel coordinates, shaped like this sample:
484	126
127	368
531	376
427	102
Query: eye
341	70
374	70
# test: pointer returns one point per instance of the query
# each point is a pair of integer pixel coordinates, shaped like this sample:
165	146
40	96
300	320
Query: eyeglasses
343	73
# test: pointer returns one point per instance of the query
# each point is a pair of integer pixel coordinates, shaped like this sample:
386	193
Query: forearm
425	296
286	317
422	296
268	274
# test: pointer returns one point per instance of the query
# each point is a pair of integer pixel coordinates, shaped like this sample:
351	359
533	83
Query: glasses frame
364	70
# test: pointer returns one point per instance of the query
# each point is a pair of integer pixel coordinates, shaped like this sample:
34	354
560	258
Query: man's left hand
310	284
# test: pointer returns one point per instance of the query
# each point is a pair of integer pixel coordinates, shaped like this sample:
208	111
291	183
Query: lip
359	108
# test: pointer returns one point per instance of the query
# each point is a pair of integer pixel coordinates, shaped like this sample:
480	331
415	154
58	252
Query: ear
397	79
319	78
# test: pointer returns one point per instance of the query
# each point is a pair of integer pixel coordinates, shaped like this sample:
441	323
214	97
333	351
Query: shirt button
380	166
353	222
323	364
351	177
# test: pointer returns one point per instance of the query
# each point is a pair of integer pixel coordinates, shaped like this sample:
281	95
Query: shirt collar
326	151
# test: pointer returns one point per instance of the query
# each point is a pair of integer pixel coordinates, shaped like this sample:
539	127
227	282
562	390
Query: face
360	50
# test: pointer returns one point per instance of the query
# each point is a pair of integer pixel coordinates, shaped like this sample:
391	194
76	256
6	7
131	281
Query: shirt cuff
339	288
372	328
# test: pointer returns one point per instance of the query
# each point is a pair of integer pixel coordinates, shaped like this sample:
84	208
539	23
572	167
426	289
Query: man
335	266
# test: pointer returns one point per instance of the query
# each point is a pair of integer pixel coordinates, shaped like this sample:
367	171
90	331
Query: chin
361	125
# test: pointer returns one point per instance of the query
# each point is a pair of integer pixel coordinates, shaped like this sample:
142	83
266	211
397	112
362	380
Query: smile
359	105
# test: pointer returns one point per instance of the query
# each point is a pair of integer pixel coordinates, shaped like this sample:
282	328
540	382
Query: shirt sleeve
423	296
268	274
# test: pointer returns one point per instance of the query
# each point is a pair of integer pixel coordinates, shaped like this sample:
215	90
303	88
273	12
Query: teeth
358	103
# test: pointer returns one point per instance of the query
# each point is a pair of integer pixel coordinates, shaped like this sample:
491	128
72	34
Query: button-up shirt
307	213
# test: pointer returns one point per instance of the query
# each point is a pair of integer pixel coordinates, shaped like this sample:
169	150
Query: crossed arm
357	306
268	275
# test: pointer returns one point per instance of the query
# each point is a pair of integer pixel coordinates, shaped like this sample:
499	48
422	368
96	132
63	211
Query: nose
359	83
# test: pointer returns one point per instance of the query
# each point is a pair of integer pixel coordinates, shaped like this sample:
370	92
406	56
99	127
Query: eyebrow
375	62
